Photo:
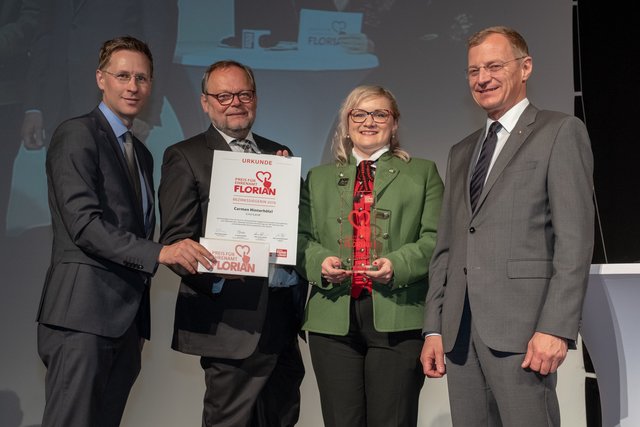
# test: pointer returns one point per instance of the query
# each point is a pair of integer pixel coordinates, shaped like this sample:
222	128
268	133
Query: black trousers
368	378
89	377
262	390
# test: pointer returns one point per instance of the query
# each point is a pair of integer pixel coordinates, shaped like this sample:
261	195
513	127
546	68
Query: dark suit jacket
523	256
228	324
102	258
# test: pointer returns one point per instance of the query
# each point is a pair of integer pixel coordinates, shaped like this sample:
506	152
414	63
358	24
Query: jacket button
385	236
465	271
339	220
472	230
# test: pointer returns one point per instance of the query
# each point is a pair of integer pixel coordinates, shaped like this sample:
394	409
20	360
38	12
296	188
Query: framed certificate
254	198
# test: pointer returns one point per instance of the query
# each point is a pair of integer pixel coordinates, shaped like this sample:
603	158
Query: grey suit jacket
102	258
524	254
228	324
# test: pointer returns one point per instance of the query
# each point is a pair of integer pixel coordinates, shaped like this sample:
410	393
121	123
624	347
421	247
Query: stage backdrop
418	51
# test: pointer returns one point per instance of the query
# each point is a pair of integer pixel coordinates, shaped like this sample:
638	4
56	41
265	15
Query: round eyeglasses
360	116
226	98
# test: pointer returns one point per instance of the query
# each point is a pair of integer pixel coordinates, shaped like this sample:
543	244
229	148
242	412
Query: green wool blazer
408	196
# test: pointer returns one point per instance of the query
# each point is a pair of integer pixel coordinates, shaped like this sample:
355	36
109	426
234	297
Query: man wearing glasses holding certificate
94	311
243	328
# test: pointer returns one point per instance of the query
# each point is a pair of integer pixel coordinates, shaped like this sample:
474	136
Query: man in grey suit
243	328
94	311
515	240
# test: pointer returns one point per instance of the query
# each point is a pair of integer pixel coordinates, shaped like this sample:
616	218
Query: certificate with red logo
242	259
254	198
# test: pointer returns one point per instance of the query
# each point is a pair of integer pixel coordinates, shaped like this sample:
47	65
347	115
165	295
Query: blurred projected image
356	26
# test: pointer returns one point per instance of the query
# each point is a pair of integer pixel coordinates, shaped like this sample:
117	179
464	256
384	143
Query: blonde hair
341	144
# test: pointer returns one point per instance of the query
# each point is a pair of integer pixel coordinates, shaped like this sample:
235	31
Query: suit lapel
105	132
215	141
345	176
263	145
518	136
470	153
386	171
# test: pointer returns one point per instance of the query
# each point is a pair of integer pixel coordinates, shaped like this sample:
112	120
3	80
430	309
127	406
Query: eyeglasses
360	116
124	77
492	68
226	98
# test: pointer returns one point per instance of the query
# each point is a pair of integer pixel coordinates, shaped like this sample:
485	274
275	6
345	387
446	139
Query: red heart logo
263	176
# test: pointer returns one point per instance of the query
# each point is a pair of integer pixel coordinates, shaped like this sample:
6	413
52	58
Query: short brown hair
227	64
518	43
123	43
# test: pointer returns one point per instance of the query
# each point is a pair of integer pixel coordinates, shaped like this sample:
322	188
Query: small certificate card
254	198
242	259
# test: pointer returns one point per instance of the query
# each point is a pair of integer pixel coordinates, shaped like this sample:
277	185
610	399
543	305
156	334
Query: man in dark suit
244	328
94	312
509	272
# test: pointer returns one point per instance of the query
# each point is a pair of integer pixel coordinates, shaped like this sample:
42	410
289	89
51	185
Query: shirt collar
511	117
114	121
375	156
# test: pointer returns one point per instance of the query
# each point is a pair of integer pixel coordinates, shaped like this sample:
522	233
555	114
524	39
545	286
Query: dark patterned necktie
482	166
244	144
134	174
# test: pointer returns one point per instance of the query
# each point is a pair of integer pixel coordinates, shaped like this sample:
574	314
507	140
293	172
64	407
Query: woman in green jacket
367	232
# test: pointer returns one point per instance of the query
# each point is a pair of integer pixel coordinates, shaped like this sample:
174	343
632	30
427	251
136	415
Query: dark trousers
262	390
489	388
88	376
368	378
